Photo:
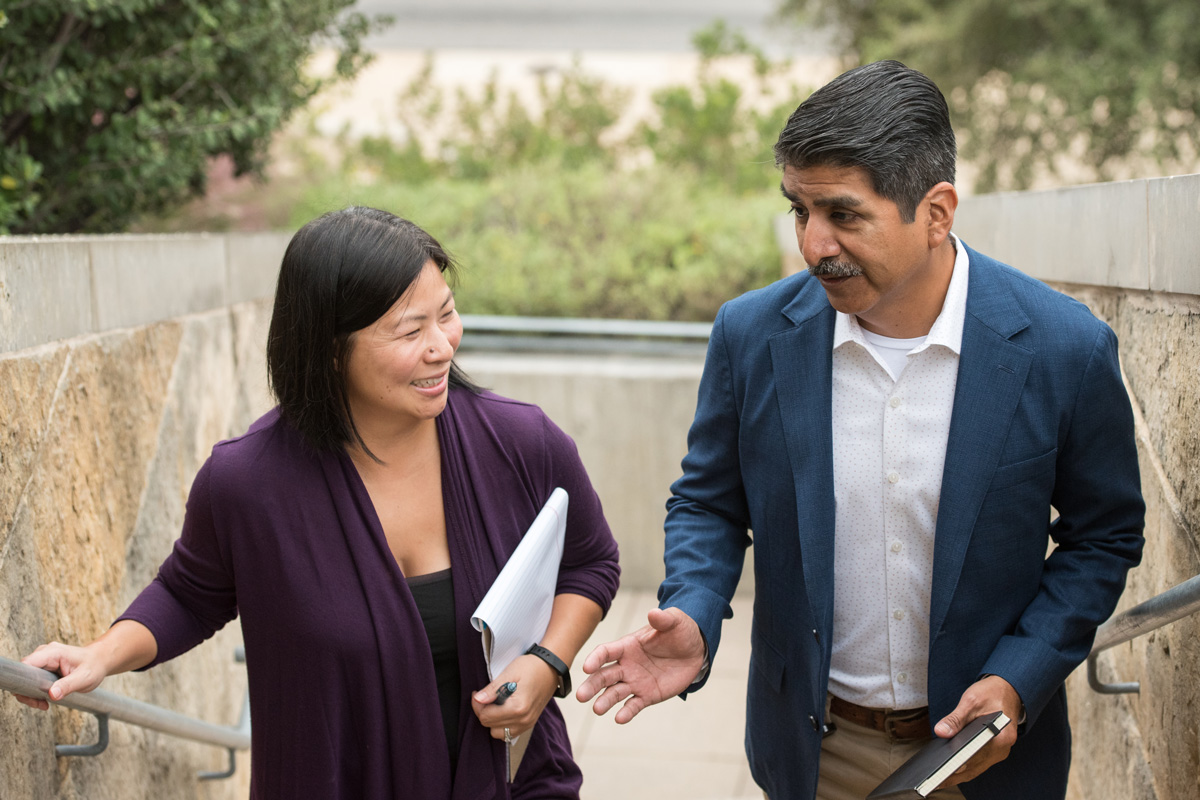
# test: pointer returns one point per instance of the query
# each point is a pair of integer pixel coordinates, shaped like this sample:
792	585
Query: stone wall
1131	252
122	359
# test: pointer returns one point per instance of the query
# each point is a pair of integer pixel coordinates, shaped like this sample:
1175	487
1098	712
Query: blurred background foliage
539	240
552	206
110	109
1043	91
115	112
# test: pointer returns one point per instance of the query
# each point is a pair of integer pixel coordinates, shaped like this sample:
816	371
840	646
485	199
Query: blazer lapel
991	375
801	359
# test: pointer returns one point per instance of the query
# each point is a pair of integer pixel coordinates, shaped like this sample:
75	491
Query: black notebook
923	773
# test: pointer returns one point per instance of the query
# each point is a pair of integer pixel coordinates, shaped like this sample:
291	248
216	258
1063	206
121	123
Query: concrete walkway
677	749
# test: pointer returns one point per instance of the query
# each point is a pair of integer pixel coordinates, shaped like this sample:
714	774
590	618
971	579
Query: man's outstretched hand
647	666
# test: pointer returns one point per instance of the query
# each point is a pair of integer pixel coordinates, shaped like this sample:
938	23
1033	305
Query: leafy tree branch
156	86
1066	90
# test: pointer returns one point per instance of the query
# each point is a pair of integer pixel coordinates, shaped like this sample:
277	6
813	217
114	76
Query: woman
355	528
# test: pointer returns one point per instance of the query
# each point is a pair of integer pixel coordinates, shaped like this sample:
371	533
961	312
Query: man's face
870	262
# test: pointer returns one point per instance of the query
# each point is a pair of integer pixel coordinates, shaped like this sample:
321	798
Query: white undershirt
892	401
893	353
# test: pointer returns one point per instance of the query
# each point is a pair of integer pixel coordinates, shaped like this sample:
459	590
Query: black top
434	595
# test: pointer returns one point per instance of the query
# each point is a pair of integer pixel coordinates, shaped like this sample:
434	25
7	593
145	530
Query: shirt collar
947	329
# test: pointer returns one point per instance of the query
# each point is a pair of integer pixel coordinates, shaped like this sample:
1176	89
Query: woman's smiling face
399	366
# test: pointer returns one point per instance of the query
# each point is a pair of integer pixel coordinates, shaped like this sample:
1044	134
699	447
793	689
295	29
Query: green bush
544	211
657	243
544	206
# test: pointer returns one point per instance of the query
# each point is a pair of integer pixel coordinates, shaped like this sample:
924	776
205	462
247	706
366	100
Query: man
896	427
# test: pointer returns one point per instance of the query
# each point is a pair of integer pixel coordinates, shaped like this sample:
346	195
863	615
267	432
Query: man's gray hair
885	118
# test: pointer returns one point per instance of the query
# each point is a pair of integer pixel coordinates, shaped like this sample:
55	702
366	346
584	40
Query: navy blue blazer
1041	419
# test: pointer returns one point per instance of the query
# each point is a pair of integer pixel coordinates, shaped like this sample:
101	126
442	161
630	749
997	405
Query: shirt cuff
703	673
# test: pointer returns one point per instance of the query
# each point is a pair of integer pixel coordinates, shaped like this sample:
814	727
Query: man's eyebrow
843	200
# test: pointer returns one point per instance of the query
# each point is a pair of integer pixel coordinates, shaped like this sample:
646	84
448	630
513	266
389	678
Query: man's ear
943	202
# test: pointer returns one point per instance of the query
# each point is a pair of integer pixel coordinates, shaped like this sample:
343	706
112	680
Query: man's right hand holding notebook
991	693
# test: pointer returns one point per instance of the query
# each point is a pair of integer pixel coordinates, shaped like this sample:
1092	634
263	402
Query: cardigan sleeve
589	564
193	595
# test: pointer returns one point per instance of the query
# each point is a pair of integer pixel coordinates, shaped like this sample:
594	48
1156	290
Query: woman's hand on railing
82	669
126	645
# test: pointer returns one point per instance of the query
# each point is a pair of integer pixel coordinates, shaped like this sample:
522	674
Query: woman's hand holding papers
647	666
536	683
571	622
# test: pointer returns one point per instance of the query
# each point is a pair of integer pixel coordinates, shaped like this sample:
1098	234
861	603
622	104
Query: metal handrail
574	335
30	681
1175	603
577	326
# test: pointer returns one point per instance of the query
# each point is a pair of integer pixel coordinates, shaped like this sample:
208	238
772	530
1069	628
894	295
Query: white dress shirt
892	401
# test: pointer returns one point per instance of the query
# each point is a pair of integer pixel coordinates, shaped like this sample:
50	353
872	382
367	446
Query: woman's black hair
341	273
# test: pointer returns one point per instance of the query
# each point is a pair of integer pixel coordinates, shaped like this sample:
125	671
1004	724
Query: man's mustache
832	268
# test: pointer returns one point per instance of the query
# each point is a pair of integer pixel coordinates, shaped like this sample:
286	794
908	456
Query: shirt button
897	547
894	402
893	477
902	677
898	614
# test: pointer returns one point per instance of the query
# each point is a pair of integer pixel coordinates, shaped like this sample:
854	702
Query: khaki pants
854	760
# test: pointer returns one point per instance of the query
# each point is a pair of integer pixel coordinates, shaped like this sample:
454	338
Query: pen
504	691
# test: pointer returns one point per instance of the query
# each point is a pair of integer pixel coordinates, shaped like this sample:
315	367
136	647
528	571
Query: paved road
623	25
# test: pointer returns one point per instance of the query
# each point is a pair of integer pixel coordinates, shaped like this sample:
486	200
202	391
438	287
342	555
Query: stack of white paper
515	612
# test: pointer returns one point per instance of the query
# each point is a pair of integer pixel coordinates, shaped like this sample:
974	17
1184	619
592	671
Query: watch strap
556	664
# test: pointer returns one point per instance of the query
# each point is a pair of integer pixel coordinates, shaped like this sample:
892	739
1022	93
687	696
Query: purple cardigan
342	690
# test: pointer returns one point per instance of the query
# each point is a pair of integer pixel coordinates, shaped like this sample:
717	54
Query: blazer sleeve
707	514
1098	537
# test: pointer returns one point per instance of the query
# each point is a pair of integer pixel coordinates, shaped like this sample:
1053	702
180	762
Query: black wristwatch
556	664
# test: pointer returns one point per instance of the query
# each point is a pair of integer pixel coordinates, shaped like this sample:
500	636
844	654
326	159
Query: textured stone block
197	409
1149	741
28	386
144	279
1175	234
86	490
251	321
102	439
45	291
29	768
